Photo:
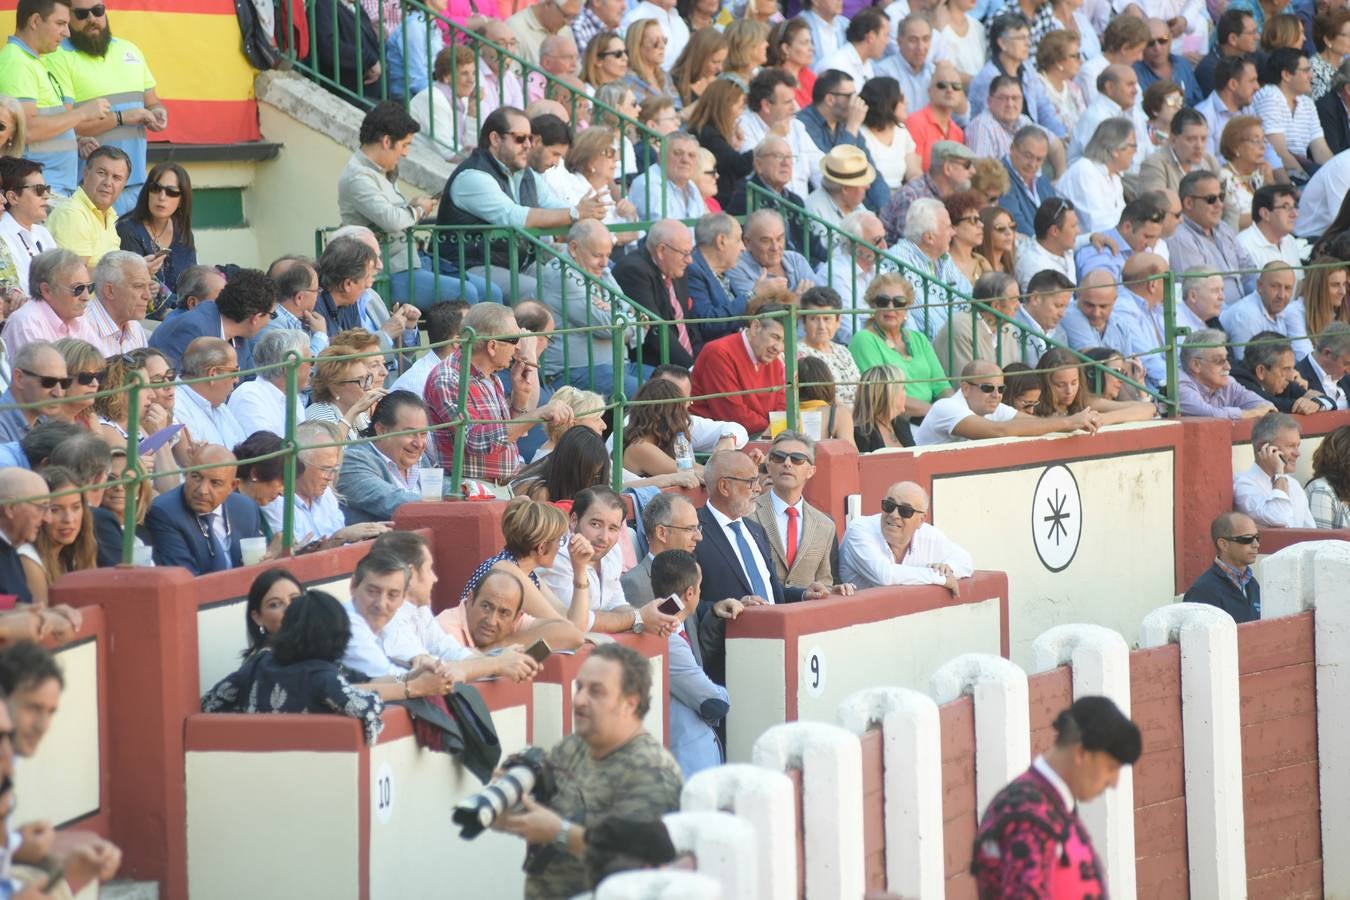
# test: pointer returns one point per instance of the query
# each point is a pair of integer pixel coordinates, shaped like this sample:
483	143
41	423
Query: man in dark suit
1327	368
653	277
719	245
1333	110
1229	584
773	171
243	309
734	554
1267	370
20	519
199	524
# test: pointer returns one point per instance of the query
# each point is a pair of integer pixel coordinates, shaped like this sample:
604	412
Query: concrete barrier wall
797	661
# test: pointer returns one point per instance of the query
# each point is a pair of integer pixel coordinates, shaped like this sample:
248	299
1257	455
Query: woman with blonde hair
65	542
699	64
713	121
605	61
747	50
155	401
343	390
87	369
14	136
705	179
885	341
591	167
1324	293
1284	30
588	409
879	420
989	179
646	44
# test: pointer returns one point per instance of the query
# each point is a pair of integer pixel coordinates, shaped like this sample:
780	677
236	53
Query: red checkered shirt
489	455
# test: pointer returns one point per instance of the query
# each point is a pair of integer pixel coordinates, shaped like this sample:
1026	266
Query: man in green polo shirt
95	64
49	111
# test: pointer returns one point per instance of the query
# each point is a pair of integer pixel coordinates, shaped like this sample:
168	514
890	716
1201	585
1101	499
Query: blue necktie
752	570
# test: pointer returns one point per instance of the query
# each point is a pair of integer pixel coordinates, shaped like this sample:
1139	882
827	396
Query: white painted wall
61	782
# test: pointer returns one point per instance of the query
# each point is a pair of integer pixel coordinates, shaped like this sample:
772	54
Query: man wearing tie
734	554
199	524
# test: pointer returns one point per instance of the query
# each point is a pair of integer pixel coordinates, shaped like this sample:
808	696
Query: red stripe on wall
210	122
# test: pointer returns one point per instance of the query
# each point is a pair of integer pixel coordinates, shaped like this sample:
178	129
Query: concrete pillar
1002	717
766	801
723	847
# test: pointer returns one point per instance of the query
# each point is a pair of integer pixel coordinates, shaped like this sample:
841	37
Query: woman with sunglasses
64	543
343	391
591	169
86	366
605	61
1021	387
967	235
161	223
705	179
646	44
27	196
13	130
879	419
156	411
999	246
885	341
1161	101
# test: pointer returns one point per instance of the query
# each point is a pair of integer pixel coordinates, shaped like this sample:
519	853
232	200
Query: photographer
608	766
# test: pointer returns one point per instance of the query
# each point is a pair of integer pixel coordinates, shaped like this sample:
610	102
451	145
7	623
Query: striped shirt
1300	127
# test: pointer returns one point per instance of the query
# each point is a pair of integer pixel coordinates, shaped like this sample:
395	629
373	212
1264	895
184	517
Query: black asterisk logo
1057	517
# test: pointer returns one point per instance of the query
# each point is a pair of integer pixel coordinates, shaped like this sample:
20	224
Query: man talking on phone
1268	490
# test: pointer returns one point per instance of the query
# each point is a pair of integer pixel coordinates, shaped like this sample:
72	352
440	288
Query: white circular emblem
1056	518
383	799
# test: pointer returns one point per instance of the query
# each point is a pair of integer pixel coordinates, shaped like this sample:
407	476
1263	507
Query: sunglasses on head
991	389
781	457
95	11
881	301
904	510
166	190
1243	538
50	381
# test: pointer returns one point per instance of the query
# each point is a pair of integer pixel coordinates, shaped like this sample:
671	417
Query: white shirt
826	37
1032	257
1331	389
1290	249
968	53
866	560
319	518
1097	112
263	406
1062	787
780	517
365	652
672	26
606	592
415	379
1321	199
806	156
24	244
1270	507
850	281
944	415
215	425
847	59
1097	195
757	561
413	632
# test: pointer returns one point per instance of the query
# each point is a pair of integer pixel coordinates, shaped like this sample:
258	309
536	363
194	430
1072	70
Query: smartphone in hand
539	651
671	606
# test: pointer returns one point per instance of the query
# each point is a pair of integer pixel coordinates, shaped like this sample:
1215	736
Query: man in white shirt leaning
977	411
202	406
896	546
262	402
1268	490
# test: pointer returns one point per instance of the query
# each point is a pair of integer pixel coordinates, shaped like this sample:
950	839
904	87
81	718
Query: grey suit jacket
817	551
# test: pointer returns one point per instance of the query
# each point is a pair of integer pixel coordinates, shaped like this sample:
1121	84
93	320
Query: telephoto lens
524	773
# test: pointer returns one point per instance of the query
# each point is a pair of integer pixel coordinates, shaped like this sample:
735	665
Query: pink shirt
110	338
36	321
455	621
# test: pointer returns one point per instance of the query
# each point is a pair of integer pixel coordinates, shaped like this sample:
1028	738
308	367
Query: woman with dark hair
65	541
999	246
155	404
1021	387
264	480
1031	842
968	233
649	437
1331	37
1161	101
1329	490
378	477
713	121
580	460
699	64
299	672
815	392
791	49
270	595
1064	392
161	223
883	131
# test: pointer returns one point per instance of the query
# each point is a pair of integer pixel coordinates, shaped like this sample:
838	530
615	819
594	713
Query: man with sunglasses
936	120
39	374
94	65
977	412
59	285
1204	239
1159	63
1230	583
897	547
1056	228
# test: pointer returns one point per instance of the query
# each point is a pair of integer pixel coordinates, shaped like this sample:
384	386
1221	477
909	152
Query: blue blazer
177	533
710	299
367	487
175	333
724	577
1019	202
12	580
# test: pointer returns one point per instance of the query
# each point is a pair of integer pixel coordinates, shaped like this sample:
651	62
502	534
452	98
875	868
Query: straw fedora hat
848	165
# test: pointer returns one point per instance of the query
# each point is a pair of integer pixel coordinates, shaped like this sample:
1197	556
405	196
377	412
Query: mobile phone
539	651
671	606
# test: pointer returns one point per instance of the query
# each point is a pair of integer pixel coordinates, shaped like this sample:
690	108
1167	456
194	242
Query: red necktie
681	332
792	535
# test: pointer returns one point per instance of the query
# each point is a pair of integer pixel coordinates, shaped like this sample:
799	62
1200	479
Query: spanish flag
194	50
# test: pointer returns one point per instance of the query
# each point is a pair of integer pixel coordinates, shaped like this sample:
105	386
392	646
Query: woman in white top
1093	181
1057	65
963	42
449	115
590	167
893	149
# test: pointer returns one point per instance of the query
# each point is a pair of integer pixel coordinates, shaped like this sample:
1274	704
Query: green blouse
869	349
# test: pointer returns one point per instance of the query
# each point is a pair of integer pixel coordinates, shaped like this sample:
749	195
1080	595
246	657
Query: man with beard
93	64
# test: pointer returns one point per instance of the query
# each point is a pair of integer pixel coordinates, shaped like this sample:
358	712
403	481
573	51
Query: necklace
158	236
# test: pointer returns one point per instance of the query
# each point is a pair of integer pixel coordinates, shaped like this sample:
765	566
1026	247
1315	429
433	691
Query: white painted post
659	884
723	848
1314	575
912	764
764	799
1100	660
830	760
1211	732
1002	717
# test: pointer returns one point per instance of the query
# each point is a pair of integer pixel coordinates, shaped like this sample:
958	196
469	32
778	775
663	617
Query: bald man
1229	584
20	518
896	546
199	524
977	411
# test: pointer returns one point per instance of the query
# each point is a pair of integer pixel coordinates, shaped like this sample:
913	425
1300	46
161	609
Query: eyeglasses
1173	101
96	11
904	510
971	219
1026	406
847	95
79	288
1243	539
328	472
49	381
882	301
165	189
365	381
1211	199
698	528
753	482
88	378
42	190
168	377
686	254
991	389
1160	42
781	457
617	54
949	86
1284	207
521	139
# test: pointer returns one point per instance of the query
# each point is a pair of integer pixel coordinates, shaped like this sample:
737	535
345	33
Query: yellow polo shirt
81	228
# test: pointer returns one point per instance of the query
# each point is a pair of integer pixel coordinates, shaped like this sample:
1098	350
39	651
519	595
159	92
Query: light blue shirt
746	272
1037	101
1147	332
1082	336
914	85
215	425
826	37
477	193
1089	258
424	43
1248	317
1035	345
934	305
319	519
12	455
680	204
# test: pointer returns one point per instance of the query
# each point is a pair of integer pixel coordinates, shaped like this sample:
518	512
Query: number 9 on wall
812	672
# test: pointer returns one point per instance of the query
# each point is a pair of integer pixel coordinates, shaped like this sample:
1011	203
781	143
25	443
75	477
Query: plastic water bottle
684	453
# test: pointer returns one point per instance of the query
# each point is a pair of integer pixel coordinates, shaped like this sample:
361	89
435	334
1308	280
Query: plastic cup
433	483
813	421
252	550
777	422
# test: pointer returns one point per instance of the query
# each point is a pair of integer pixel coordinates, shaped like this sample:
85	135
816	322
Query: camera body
525	773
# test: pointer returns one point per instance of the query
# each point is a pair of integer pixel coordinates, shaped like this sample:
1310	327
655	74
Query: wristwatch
574	213
564	832
638	627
